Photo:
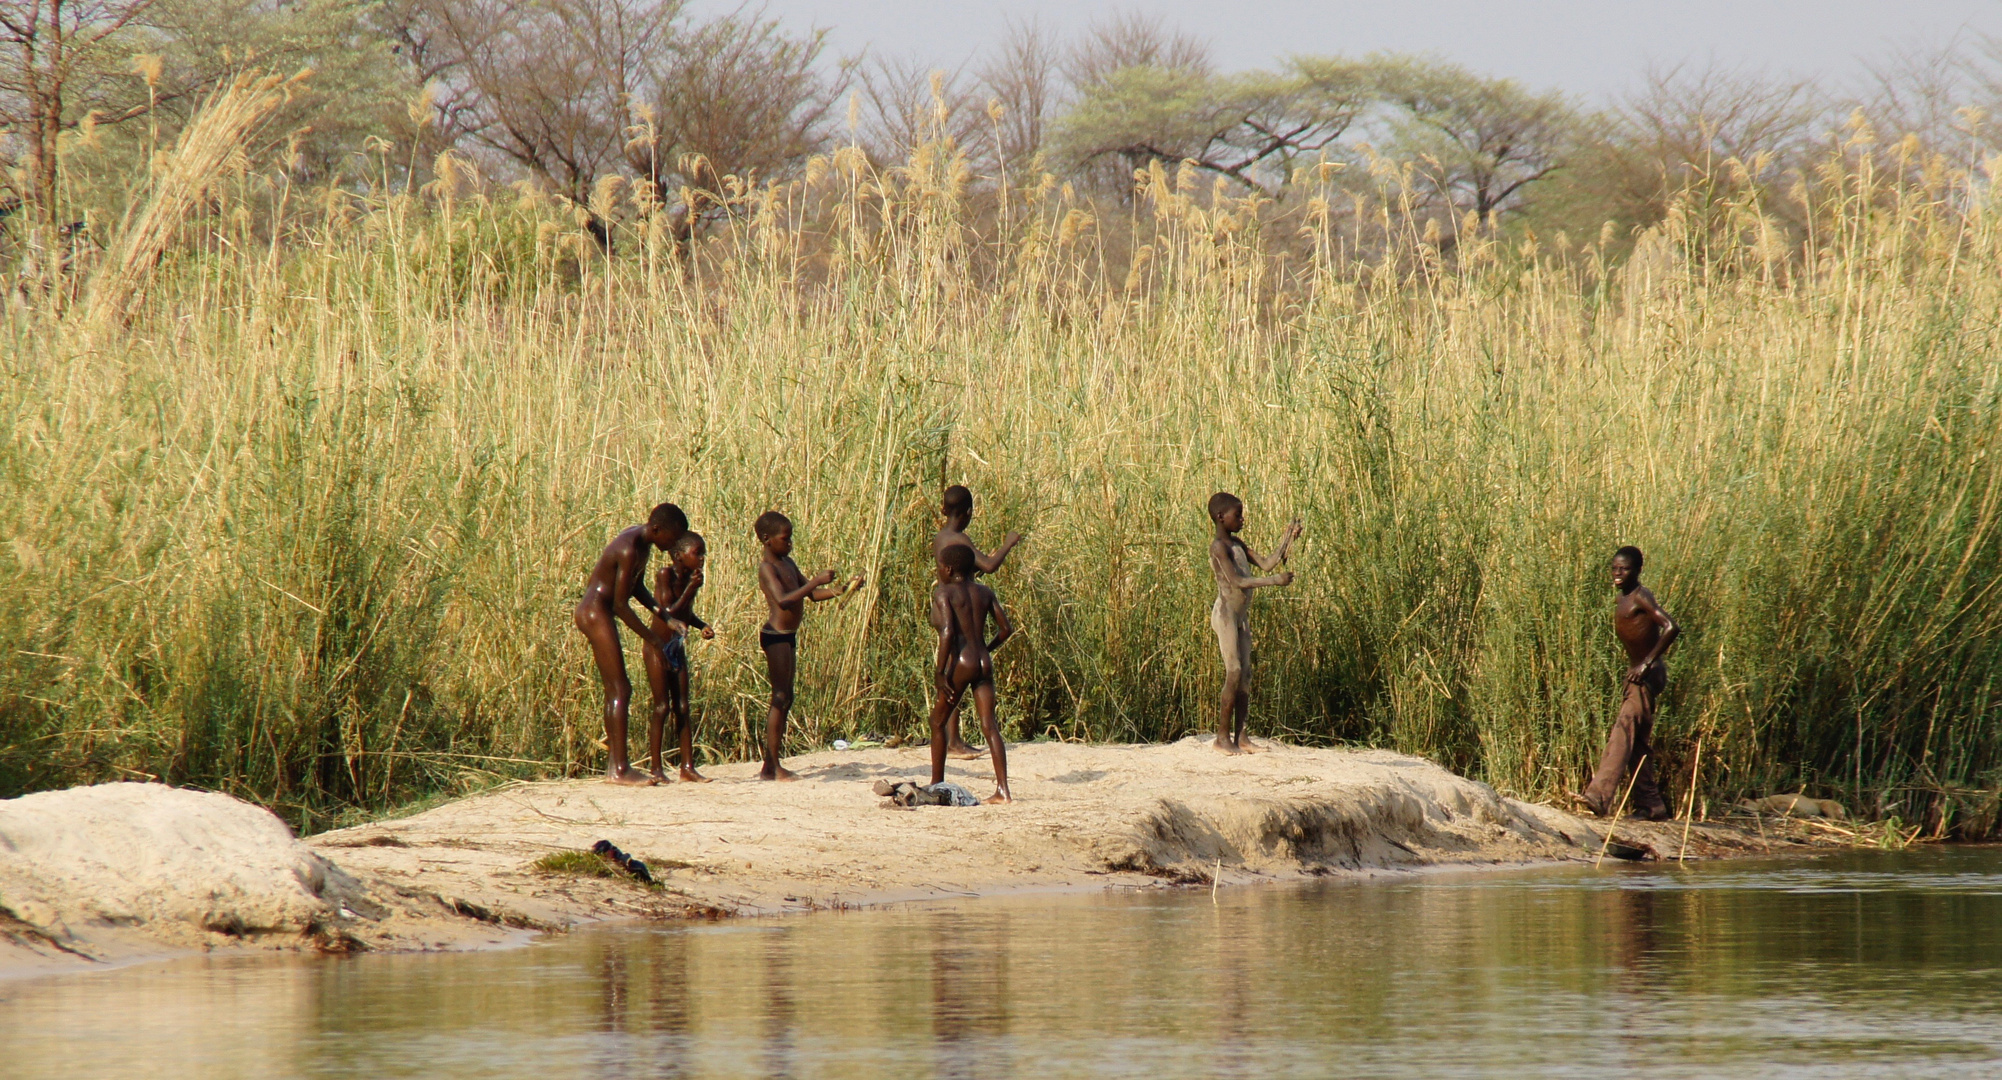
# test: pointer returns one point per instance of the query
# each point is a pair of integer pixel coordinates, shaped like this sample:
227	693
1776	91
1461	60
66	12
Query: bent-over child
613	585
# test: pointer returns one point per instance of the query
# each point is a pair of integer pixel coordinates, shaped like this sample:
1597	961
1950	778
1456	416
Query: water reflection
1886	965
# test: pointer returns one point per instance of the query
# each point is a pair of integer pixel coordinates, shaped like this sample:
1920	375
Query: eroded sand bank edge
118	873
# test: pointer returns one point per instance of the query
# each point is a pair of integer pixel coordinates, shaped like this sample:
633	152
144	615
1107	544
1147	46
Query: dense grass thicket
309	527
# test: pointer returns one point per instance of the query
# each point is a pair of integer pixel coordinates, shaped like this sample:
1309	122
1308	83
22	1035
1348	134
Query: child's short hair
1220	504
770	524
690	541
1632	554
957	558
669	517
957	501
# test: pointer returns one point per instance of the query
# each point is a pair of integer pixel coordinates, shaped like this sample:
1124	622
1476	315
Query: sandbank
125	872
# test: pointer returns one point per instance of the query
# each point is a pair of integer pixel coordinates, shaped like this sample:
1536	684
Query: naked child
1232	562
961	609
956	510
609	591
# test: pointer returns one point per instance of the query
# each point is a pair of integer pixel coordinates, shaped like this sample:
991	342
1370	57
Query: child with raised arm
1232	562
961	608
956	512
618	580
786	592
667	668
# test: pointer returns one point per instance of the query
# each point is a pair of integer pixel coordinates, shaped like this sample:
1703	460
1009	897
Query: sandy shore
1086	817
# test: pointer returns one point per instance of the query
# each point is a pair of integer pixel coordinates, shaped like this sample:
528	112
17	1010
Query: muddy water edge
1857	964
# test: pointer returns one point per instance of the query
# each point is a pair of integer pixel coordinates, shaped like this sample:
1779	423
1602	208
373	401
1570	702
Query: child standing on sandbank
786	591
956	512
1231	562
961	608
667	668
615	582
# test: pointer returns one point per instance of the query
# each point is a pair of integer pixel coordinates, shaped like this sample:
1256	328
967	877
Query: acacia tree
1250	128
1485	141
63	65
356	87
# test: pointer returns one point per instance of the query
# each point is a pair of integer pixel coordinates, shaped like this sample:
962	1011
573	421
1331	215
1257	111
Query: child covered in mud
786	591
961	608
956	508
667	669
1232	562
1645	632
609	591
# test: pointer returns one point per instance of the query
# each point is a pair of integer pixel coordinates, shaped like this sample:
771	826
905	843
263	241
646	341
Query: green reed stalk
309	531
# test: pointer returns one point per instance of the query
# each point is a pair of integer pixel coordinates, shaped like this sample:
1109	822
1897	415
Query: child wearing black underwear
786	592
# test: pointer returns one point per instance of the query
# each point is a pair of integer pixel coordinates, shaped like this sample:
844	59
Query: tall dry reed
311	531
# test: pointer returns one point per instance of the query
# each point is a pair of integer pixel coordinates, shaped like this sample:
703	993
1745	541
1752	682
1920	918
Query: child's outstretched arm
819	595
1226	571
992	561
768	580
1278	556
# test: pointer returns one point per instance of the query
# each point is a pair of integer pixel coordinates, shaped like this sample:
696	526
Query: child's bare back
965	607
961	610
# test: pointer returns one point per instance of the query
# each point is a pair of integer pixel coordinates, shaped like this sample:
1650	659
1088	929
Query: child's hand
825	577
708	633
1285	577
1294	530
1012	539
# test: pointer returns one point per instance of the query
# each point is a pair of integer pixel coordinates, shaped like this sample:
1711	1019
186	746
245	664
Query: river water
1867	964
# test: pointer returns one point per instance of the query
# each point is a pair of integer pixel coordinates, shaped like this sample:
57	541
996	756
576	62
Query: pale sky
1593	49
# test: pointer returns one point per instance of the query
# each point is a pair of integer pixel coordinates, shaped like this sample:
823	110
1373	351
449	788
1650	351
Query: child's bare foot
656	777
1225	746
628	776
777	772
690	776
998	798
959	749
1245	744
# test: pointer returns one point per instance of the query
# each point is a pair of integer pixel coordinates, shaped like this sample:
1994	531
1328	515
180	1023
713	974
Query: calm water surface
1861	965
